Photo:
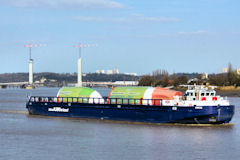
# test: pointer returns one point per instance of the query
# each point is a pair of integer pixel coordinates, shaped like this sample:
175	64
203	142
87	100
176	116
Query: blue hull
135	113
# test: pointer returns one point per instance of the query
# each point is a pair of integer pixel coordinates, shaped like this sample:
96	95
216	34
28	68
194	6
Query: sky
135	36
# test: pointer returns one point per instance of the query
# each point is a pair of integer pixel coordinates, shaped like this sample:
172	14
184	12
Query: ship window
207	94
202	94
212	94
196	94
191	94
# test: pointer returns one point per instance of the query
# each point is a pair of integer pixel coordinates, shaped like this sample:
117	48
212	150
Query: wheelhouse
201	93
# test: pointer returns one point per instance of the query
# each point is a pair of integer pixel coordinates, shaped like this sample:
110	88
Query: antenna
30	46
82	45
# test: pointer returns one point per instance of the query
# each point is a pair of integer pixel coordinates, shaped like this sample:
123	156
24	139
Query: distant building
131	74
52	80
109	71
125	83
42	80
238	71
116	71
100	71
205	76
224	70
193	80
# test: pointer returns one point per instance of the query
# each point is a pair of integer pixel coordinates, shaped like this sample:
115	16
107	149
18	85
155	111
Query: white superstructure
197	96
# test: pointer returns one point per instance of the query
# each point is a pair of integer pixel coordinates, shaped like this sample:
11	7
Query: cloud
157	19
199	32
130	19
141	18
65	4
89	19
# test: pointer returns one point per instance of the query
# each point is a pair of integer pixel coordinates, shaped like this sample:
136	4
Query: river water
26	137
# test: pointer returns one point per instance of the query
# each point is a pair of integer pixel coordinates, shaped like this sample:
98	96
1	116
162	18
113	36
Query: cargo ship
199	105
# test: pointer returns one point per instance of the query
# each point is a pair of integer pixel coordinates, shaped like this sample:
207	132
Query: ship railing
105	100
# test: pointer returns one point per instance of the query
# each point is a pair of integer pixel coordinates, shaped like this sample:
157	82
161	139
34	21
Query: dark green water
25	137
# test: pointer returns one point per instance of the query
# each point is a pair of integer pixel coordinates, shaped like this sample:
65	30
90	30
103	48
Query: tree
165	81
146	81
175	80
238	81
182	79
159	74
230	74
218	80
157	83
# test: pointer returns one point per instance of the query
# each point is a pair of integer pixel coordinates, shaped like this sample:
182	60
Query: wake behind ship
199	105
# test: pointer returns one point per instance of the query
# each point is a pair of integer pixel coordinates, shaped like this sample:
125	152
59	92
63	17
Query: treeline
231	78
13	77
109	77
162	78
157	78
23	77
66	77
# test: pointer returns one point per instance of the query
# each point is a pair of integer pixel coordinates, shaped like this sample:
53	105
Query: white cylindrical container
86	95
